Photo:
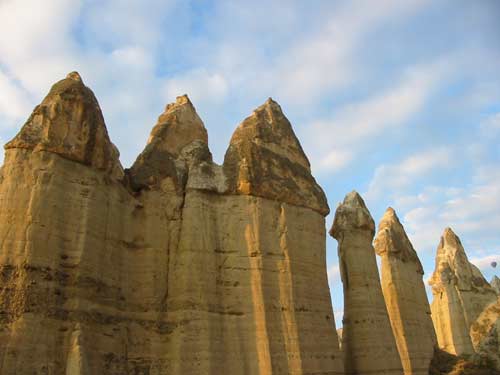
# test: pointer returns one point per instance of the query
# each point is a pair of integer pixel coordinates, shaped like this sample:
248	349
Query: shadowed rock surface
174	268
405	296
368	342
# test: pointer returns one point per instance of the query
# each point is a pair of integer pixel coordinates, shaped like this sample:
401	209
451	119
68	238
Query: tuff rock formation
461	295
405	296
495	284
175	266
368	342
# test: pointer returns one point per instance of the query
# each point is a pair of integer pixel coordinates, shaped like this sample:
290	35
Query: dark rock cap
265	159
393	241
178	127
352	214
69	122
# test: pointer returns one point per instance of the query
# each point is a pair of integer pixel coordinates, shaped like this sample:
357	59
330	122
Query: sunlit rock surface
178	265
368	342
461	294
405	295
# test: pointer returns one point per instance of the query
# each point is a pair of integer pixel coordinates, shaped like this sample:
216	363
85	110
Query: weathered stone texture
166	270
69	122
265	159
495	284
405	296
368	342
460	293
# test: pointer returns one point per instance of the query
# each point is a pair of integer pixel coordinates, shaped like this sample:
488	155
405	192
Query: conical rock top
393	240
405	296
352	214
265	159
367	339
452	265
69	122
495	284
178	126
461	293
178	134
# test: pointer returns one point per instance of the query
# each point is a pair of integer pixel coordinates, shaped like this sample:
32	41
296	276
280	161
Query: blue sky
399	100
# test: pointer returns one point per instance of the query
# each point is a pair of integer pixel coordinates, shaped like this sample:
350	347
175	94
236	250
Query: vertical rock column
405	296
367	340
61	296
460	295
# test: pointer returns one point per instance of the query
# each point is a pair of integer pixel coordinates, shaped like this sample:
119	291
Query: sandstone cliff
461	294
368	342
178	265
405	296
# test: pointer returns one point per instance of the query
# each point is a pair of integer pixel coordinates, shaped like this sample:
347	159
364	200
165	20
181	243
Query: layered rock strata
461	294
405	296
368	342
178	265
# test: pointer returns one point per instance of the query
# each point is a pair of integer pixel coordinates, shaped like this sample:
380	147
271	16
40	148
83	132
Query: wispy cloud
337	139
491	124
487	262
397	176
473	212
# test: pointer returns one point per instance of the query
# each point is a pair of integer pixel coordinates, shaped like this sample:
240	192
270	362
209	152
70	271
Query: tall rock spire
69	122
265	159
460	295
405	296
367	339
178	128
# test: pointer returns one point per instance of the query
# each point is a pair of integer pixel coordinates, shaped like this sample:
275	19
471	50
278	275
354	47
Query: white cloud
472	211
14	101
335	160
333	273
201	86
35	37
122	22
326	60
491	125
484	263
397	176
335	140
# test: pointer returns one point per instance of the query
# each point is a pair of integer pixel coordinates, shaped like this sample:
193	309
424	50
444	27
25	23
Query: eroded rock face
168	271
368	342
485	334
405	296
265	159
460	294
495	284
178	140
69	123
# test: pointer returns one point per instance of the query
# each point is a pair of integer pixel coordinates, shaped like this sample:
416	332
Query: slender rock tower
460	295
405	296
367	339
